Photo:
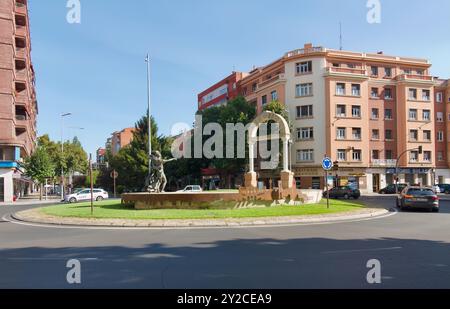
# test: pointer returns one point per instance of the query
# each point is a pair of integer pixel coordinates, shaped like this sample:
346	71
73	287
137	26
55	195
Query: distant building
220	93
18	104
121	139
101	155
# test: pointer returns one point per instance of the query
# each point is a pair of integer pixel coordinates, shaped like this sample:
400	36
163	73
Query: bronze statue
156	182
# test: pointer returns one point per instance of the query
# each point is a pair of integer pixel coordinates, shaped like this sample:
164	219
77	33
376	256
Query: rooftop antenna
340	35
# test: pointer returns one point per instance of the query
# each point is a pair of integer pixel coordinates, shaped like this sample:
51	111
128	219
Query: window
340	133
356	133
374	71
427	135
413	156
419	72
340	111
305	133
388	72
413	134
304	111
356	111
439	97
426	115
427	156
375	113
356	90
351	65
375	154
388	135
336	65
425	95
305	155
254	87
356	155
406	71
413	114
440	136
440	117
388	94
376	134
264	100
304	90
274	95
341	155
388	114
388	155
304	67
374	93
412	94
340	89
440	156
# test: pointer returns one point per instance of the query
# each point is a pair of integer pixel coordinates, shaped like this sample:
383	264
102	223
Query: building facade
369	112
121	139
18	104
221	92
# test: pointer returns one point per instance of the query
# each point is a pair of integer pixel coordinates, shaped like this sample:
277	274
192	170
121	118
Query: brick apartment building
361	109
18	105
121	139
221	92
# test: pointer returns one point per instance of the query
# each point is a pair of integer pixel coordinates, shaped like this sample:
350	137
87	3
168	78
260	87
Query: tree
39	166
278	108
132	161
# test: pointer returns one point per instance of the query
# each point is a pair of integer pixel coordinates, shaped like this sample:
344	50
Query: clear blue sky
96	69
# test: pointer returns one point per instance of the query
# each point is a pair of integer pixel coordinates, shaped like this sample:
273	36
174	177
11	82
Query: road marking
362	250
42	225
48	259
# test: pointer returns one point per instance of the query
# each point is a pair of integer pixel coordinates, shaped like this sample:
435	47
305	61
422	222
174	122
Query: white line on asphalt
7	218
49	259
362	250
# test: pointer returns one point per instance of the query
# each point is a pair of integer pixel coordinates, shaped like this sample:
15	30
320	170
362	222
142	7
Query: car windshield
420	192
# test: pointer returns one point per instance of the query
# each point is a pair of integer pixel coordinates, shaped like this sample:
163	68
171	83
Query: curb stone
35	216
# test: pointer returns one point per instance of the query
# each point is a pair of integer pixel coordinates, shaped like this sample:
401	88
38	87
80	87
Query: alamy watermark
74	274
74	14
374	274
374	13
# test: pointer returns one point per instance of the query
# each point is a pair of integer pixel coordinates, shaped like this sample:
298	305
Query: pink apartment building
368	111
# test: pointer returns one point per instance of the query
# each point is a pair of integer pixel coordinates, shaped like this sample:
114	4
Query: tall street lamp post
62	153
147	60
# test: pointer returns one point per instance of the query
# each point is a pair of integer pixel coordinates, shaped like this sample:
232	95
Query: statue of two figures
156	181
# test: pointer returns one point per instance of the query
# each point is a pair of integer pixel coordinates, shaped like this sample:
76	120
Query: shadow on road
238	263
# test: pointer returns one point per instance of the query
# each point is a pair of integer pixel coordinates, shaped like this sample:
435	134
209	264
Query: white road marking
362	250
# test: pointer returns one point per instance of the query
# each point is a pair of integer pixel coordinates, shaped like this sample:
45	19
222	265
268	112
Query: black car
445	188
418	197
345	192
390	189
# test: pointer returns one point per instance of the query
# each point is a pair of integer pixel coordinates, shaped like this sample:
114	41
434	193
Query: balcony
21	31
272	81
305	51
384	162
344	71
415	78
20	7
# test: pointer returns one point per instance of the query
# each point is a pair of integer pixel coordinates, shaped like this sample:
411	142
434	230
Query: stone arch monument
286	175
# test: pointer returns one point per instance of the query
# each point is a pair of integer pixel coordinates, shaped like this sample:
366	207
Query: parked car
418	197
345	192
390	189
85	195
445	188
191	189
436	189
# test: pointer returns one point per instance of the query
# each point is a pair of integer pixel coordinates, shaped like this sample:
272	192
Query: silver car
418	197
85	195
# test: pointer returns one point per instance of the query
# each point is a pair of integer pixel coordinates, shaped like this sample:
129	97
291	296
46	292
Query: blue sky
96	69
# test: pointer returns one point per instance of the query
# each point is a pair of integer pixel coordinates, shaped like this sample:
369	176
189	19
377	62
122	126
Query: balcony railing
351	71
20	8
384	162
274	79
304	51
415	77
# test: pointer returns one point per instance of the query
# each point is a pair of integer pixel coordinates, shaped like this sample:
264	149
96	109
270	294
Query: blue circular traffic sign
327	164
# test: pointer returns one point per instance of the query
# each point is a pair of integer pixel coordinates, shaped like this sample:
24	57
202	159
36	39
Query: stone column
285	154
250	177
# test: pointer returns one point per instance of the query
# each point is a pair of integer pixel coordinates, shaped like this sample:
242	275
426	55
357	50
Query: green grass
113	209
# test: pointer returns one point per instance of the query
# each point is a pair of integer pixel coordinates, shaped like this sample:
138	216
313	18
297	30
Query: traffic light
420	149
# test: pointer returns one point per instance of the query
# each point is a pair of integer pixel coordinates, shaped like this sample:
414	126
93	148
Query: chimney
380	53
308	46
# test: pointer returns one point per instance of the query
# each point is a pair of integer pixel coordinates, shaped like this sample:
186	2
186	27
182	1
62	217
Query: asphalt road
413	248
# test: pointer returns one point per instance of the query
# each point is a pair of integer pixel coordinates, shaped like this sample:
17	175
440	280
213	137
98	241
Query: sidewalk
32	202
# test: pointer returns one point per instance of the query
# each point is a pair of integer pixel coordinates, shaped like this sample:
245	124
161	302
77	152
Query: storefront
412	176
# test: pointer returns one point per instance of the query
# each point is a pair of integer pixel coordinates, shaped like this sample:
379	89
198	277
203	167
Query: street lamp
62	153
147	60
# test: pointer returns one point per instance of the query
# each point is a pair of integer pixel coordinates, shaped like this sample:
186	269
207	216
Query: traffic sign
114	174
327	164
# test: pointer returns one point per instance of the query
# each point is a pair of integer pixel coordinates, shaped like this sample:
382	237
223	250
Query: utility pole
147	60
92	184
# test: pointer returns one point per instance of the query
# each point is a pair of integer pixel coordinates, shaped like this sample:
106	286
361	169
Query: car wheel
436	209
447	192
73	200
382	192
99	199
346	196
